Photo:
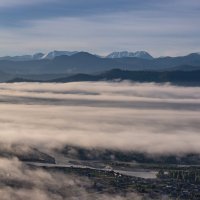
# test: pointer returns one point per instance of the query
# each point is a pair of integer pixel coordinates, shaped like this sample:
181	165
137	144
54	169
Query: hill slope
175	77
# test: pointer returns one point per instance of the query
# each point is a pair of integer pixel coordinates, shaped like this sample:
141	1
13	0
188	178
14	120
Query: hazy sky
161	27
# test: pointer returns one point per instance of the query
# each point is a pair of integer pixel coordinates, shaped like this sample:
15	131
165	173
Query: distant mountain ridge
36	56
84	62
53	54
39	56
126	54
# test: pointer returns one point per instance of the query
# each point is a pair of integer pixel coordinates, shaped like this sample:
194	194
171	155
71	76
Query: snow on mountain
39	56
137	54
53	54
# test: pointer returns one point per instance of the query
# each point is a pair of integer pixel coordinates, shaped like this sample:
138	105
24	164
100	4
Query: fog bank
140	117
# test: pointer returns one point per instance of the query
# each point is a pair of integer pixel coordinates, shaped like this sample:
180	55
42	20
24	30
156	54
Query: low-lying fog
143	117
158	119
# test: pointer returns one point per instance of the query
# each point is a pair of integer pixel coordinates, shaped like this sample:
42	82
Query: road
141	173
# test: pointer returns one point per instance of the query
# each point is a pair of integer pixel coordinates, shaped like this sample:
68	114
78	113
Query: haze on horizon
160	27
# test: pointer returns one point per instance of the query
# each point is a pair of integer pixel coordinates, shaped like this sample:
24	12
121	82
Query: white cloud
102	34
170	28
142	117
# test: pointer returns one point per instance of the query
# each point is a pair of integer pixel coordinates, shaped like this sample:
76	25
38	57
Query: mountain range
56	65
39	56
53	54
126	54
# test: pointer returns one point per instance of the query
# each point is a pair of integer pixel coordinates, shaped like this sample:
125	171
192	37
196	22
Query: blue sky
160	27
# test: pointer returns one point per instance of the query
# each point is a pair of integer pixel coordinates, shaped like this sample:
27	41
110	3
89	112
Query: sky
158	26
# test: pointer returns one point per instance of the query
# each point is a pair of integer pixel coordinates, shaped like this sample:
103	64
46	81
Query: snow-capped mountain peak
137	54
53	54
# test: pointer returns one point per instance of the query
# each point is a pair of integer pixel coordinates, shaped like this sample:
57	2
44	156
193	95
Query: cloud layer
160	27
158	119
141	117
